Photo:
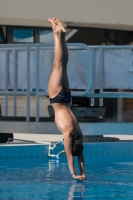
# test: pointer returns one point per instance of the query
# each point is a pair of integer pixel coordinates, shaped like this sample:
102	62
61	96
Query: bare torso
66	120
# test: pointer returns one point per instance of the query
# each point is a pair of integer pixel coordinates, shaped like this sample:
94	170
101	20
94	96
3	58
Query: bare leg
65	61
65	81
56	78
65	54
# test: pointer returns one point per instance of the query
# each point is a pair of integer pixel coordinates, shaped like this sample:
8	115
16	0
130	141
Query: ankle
63	34
57	34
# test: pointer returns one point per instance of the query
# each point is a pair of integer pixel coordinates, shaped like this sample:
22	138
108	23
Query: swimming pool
27	173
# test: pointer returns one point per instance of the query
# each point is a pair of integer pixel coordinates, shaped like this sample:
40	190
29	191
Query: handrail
40	142
89	91
71	46
50	147
112	47
37	93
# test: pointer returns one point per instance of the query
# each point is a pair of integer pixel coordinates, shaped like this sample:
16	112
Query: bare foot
52	24
59	24
56	23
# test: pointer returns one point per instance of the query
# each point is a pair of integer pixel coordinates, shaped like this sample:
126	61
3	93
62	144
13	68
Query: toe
50	20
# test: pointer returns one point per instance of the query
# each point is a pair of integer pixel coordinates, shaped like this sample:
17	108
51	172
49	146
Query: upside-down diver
60	98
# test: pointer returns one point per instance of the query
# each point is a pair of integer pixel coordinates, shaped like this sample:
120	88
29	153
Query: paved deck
59	137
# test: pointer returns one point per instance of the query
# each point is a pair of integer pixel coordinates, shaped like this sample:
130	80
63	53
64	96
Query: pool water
50	179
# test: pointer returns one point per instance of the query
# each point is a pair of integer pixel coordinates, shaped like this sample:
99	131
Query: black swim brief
64	96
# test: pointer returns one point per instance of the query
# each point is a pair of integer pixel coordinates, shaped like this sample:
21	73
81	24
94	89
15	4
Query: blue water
51	180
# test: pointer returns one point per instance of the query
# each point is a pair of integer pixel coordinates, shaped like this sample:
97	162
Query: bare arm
81	165
68	149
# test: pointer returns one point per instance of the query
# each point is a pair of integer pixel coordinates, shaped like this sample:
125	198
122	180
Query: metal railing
37	93
103	94
89	92
50	145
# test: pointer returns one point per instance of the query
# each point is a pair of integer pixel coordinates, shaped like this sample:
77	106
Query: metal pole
28	85
15	82
6	82
37	82
93	76
120	108
101	75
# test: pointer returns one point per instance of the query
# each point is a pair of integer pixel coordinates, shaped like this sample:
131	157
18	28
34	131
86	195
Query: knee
57	63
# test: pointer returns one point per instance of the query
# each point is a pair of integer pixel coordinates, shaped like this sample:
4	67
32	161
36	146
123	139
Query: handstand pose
60	97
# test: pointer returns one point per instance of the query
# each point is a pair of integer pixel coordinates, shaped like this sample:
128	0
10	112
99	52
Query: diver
60	98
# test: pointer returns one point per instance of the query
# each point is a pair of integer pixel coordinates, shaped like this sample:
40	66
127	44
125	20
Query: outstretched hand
79	177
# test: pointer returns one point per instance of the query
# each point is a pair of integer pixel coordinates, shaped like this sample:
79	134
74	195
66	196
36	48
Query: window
17	34
23	35
2	39
46	36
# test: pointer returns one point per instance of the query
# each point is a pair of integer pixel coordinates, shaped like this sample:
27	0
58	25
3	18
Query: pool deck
39	137
59	137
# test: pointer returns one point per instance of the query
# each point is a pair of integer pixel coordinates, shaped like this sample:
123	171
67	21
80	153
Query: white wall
117	14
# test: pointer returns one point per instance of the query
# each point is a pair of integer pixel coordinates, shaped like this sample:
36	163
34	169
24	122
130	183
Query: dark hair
77	147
